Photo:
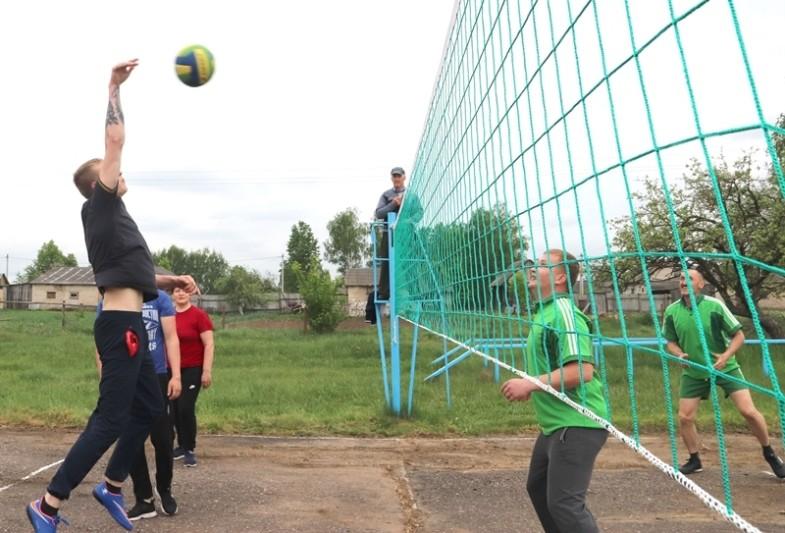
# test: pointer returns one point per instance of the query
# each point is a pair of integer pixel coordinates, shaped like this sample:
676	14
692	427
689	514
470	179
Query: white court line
31	474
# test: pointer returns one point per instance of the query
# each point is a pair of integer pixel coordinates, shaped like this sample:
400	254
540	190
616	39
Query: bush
323	306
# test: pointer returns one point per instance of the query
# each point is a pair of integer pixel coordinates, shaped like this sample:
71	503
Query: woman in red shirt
195	332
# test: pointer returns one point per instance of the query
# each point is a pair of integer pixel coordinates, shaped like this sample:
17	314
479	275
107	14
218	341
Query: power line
268	258
208	178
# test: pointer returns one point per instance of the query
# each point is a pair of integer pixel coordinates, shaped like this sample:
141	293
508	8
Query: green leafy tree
347	246
173	258
470	256
755	208
323	305
49	256
244	288
302	248
206	266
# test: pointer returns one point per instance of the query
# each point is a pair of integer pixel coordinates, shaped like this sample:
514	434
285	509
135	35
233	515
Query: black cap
397	170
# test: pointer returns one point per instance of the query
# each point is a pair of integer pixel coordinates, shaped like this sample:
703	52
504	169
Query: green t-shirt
560	334
719	325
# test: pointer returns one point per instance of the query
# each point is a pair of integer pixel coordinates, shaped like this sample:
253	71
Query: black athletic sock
768	451
48	509
695	456
113	489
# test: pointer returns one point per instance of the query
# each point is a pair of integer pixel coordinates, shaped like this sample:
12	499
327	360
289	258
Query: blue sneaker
190	459
114	504
42	522
178	453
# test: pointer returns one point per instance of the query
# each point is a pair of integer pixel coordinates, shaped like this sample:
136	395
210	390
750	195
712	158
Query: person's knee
570	513
161	432
146	412
157	411
751	414
563	512
686	416
187	410
111	425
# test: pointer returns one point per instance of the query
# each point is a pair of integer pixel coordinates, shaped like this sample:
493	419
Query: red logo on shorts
131	342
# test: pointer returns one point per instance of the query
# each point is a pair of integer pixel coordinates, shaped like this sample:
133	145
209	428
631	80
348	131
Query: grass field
280	381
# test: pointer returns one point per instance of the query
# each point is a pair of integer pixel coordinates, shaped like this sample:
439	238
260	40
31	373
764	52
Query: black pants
161	437
382	252
184	408
129	400
370	308
559	476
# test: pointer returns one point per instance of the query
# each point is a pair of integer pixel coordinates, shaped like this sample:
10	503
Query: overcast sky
312	103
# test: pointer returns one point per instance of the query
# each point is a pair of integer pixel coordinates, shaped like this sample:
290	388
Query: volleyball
194	65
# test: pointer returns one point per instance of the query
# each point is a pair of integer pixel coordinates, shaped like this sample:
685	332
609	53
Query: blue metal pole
448	353
447	388
496	367
377	309
415	336
382	354
395	341
449	365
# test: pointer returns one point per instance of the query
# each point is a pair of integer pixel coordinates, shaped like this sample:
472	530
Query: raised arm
184	282
109	175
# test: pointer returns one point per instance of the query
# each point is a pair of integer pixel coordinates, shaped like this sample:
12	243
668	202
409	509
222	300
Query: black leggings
382	253
161	437
184	408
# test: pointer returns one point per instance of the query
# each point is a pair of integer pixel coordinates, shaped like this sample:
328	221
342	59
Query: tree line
244	288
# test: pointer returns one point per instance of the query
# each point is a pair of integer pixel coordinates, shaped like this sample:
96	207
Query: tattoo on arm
114	113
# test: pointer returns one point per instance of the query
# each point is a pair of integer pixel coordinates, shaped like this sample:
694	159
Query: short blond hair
568	262
86	175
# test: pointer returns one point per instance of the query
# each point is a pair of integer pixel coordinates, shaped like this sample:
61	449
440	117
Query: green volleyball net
633	135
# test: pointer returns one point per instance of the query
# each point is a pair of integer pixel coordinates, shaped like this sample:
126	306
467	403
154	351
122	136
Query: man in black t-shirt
129	396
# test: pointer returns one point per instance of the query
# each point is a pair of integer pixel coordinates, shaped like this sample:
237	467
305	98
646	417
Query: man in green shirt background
559	353
724	337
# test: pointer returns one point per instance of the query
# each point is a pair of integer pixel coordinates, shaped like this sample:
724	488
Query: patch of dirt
401	485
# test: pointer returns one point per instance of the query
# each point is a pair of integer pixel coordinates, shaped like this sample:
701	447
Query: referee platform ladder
391	365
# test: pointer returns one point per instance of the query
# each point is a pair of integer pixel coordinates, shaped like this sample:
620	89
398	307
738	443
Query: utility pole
6	265
280	300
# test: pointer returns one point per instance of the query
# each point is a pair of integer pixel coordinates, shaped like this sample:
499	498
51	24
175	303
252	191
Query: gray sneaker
189	459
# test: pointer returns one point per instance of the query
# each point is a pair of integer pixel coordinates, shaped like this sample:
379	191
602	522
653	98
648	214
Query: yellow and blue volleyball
194	65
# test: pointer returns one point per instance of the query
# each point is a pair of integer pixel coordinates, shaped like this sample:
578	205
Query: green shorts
699	388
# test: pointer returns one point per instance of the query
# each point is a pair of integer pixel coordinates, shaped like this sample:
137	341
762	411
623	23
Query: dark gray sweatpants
559	476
